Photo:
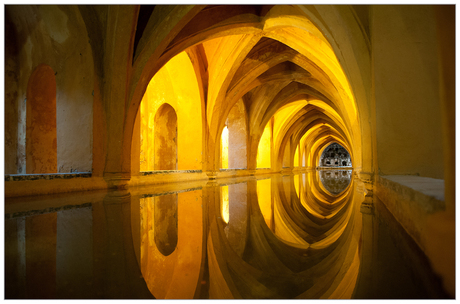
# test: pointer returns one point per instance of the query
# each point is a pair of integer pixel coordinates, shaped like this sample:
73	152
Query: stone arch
146	65
41	138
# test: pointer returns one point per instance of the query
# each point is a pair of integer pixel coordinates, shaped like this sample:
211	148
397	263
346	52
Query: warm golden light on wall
296	157
264	150
176	85
224	143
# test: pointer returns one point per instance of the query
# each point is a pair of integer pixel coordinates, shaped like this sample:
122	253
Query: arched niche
165	138
41	138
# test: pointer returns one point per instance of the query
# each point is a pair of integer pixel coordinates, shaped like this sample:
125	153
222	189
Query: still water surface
292	236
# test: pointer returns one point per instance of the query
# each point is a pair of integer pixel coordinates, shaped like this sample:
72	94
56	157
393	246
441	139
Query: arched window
165	138
41	139
335	156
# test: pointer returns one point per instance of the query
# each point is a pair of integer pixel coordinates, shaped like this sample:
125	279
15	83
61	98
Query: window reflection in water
335	181
224	200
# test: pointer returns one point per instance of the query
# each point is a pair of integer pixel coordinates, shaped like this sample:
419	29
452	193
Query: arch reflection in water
283	237
335	181
165	223
173	276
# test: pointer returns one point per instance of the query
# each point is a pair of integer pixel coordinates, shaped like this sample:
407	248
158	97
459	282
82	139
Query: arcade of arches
120	98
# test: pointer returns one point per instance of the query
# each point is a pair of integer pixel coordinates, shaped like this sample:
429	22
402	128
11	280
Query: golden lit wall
176	85
408	113
264	150
224	148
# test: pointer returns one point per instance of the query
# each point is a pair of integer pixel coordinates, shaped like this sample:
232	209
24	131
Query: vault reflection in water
280	237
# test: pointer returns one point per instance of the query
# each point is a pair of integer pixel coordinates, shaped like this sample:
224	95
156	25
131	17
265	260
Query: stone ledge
412	200
16	188
429	186
45	176
164	177
144	173
417	203
427	192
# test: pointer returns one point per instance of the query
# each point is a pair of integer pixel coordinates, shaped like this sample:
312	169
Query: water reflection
335	181
174	275
280	237
272	238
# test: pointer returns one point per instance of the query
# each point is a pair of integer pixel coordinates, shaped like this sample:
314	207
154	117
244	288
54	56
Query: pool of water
265	237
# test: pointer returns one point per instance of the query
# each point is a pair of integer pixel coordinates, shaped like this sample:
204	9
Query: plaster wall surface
56	36
407	105
237	137
75	91
264	149
11	99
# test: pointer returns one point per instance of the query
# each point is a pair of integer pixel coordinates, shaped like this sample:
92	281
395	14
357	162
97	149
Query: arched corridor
236	138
